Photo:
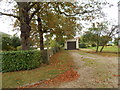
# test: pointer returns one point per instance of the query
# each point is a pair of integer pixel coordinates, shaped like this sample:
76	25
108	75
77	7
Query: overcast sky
7	27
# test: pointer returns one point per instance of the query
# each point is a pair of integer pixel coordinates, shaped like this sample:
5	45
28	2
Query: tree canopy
49	12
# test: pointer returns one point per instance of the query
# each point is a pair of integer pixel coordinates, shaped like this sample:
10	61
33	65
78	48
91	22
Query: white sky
5	22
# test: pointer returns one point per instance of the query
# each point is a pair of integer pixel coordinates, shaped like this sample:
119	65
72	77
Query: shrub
109	45
10	43
55	49
44	57
19	48
93	45
83	46
20	60
54	44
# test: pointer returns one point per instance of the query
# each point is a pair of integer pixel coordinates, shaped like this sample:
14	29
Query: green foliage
24	60
53	43
89	38
105	39
55	46
6	43
83	46
15	41
20	60
99	34
55	49
93	45
19	48
116	41
10	80
60	26
10	43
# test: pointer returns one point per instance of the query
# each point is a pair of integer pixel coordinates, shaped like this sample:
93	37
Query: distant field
106	48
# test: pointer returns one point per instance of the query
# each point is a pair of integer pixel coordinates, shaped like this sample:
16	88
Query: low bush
20	60
19	48
93	45
55	49
109	45
44	57
83	46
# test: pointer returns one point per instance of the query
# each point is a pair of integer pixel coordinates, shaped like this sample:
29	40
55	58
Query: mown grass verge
59	63
106	54
113	49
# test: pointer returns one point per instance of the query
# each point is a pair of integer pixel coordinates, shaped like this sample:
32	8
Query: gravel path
95	71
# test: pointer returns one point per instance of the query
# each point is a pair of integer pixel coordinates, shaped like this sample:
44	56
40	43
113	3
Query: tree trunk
40	34
41	40
25	33
25	19
102	48
97	47
24	26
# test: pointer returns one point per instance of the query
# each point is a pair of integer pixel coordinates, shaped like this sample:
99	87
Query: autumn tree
26	12
59	27
57	10
24	18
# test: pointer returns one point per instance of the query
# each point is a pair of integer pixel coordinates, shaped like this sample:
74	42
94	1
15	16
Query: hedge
55	49
24	60
20	60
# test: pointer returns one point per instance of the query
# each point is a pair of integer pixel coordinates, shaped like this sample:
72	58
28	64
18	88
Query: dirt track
95	71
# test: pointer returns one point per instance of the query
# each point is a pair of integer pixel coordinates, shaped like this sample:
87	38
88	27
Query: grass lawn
59	63
106	48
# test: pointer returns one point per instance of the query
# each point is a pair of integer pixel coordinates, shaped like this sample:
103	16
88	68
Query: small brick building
72	44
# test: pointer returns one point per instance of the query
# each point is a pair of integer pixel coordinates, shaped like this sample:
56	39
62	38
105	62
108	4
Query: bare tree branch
32	6
75	13
34	13
29	3
47	30
112	30
1	13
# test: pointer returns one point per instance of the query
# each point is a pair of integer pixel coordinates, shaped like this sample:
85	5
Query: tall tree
55	10
60	27
24	18
26	13
100	35
97	30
